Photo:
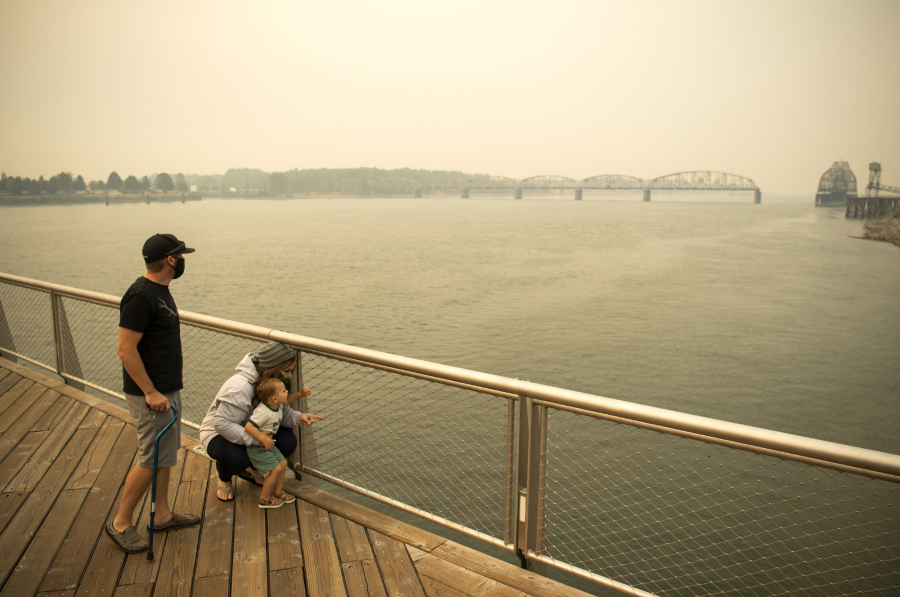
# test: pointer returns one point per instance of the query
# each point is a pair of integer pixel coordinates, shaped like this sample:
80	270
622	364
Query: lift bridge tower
875	188
880	201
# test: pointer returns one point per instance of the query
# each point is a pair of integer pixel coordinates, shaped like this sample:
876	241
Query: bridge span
696	180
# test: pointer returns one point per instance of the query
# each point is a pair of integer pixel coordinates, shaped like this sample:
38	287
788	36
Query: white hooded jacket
233	405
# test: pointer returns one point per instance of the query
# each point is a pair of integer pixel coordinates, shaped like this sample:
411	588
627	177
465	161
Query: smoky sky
775	91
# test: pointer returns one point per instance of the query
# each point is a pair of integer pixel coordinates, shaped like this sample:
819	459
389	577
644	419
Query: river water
769	315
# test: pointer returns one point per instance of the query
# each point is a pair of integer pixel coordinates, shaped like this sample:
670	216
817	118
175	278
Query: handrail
861	458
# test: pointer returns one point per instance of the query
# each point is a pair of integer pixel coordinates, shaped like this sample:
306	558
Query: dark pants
232	459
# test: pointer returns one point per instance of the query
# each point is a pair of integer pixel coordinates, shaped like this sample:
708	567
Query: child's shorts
264	460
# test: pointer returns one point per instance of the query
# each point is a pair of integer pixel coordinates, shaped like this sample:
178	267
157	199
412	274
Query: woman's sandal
286	497
251	477
272	502
226	491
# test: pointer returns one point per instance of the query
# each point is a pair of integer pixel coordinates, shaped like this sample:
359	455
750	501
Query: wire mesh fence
627	505
90	331
94	330
209	359
678	516
433	447
29	322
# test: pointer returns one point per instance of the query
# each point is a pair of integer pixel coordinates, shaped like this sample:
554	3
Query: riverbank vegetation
886	230
65	184
236	182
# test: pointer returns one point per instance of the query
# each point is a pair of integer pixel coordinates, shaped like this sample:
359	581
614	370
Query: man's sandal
272	502
177	521
286	497
226	491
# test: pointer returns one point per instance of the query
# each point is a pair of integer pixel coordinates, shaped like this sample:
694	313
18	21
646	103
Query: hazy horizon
772	91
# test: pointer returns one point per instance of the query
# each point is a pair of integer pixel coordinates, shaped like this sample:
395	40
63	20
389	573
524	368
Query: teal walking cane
153	487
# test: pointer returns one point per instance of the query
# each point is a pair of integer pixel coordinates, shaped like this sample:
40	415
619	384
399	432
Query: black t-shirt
149	308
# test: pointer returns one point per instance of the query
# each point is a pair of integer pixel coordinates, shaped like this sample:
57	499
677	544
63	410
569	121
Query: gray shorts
149	423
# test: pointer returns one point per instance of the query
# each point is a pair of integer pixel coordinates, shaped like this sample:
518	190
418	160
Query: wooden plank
415	554
9	505
141	590
33	564
195	467
16	459
70	593
249	576
55	416
8	381
363	579
13	400
397	570
503	573
21	529
91	465
27	411
176	567
117	412
284	538
351	539
435	589
385	525
99	578
21	416
215	586
320	558
214	558
24	371
440	577
44	457
10	396
286	582
3	374
138	569
87	529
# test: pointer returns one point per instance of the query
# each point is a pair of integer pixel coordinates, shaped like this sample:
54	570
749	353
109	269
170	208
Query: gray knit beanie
274	353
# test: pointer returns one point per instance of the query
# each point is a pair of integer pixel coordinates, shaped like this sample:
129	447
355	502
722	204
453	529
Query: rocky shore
887	230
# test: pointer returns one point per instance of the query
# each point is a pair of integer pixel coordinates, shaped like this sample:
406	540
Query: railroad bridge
696	180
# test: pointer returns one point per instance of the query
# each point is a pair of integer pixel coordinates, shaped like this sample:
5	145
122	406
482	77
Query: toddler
263	423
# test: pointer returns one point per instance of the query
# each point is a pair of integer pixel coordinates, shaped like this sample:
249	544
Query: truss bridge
697	180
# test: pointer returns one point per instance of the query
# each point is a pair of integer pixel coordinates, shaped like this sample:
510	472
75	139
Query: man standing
150	350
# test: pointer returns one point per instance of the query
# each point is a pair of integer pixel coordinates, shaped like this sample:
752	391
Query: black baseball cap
160	246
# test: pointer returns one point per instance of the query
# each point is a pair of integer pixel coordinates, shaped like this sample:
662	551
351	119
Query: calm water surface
768	315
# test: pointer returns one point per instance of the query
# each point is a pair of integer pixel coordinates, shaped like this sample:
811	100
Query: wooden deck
63	458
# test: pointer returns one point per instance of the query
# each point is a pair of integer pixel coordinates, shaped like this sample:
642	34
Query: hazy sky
775	91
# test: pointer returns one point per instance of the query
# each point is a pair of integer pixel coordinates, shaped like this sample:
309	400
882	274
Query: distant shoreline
17	200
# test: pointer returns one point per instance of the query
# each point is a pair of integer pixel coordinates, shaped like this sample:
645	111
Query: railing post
521	509
537	461
509	506
64	344
529	483
6	339
306	441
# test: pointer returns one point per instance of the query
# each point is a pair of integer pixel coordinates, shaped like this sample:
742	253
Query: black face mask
179	267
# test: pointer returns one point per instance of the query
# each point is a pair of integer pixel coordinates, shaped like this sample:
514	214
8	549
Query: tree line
352	181
235	181
64	183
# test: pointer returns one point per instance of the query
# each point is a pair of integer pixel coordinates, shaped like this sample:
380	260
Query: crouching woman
222	431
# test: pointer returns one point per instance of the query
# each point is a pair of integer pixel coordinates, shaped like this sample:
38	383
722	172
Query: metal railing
640	499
